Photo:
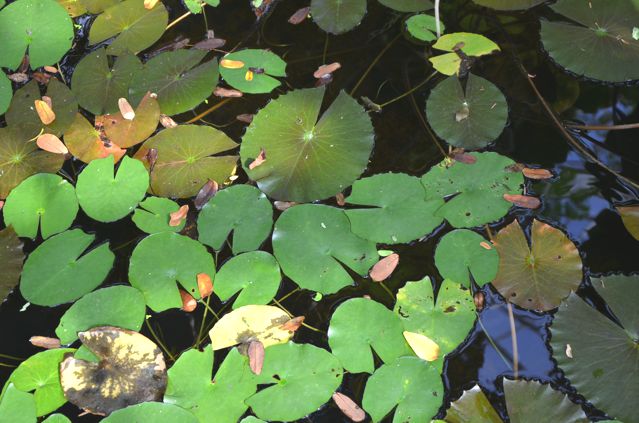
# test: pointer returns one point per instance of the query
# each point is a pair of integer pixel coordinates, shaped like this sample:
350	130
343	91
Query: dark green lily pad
470	117
17	406
6	93
308	159
323	234
153	215
157	412
338	16
55	273
263	66
471	44
461	252
423	27
43	200
11	257
509	4
408	5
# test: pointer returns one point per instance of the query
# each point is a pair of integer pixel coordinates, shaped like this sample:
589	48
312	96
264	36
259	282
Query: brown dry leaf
47	100
517	167
349	407
256	356
261	158
283	205
478	299
208	190
227	92
231	64
210	44
188	302
178	216
204	285
45	342
87	143
326	70
299	16
536	173
50	69
150	4
125	109
384	268
151	157
45	112
41	77
460	156
630	218
294	324
245	117
18	77
167	122
52	144
339	198
524	201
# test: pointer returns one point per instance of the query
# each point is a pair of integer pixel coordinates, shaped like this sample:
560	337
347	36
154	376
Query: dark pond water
579	200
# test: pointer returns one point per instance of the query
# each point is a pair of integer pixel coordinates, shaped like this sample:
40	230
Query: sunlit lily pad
257	73
86	144
470	117
408	5
509	4
6	92
57	418
157	412
160	260
185	159
540	276
337	16
190	385
630	217
74	8
301	371
360	324
461	252
131	370
323	234
153	215
127	133
17	406
308	157
472	45
602	365
423	27
11	257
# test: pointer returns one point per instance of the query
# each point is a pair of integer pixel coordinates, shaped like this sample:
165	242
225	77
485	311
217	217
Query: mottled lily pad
337	16
11	257
85	142
257	73
461	252
472	45
154	213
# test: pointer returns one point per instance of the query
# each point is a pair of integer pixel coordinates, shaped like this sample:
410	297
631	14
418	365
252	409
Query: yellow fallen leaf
45	112
231	64
424	347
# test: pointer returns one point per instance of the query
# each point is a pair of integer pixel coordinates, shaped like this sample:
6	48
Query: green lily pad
135	26
95	7
41	26
476	189
57	418
190	385
472	45
160	260
540	276
241	209
337	16
11	257
179	80
6	93
157	412
402	211
120	306
470	117
473	406
185	159
251	419
323	234
598	42
257	74
126	133
423	27
153	215
17	406
55	273
256	274
409	385
98	86
360	324
603	353
308	159
295	371
43	200
509	4
461	252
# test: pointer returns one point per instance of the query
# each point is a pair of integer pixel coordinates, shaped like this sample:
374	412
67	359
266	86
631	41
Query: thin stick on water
159	341
178	20
438	29
513	338
494	345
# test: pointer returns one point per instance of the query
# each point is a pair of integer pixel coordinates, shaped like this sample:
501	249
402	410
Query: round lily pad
129	132
107	197
55	273
423	27
323	234
308	159
461	252
160	260
540	276
6	92
86	143
11	257
408	5
157	412
337	16
17	406
257	73
509	4
154	213
470	117
44	200
472	45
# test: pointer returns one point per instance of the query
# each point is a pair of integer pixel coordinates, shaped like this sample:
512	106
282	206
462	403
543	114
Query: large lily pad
400	210
154	214
157	412
308	159
602	364
85	142
11	257
337	16
408	5
323	234
461	252
185	159
471	44
126	133
257	73
17	406
509	4
540	276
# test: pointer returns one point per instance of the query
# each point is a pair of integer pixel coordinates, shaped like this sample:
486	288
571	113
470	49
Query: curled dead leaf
50	69
568	351
208	190
188	302
517	167
45	112
18	77
42	77
167	121
325	70
536	173
294	324
47	100
178	216
249	75
256	356
151	157
299	16
524	201
340	199
210	44
45	342
478	299
384	268
246	118
125	109
204	285
349	407
485	245
227	92
231	64
461	156
283	205
261	158
52	144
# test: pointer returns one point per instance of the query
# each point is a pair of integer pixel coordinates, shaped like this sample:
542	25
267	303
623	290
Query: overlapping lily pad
157	411
154	213
127	133
337	16
85	142
461	252
470	44
11	257
257	73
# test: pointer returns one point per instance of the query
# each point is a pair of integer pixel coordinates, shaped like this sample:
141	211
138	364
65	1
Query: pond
348	198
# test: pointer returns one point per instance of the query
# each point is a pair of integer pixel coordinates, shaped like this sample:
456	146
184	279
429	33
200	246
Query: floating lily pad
308	159
185	159
461	252
337	16
598	43
603	353
127	133
136	27
55	273
360	324
540	276
44	200
256	274
6	93
295	371
323	234
409	385
74	8
472	45
107	198
243	210
11	257
120	306
17	406
57	418
160	260
476	189
401	213
86	144
630	218
154	213
190	385
473	406
470	117
423	27
257	73
179	80
157	412
95	7
131	371
408	5
98	85
509	4
41	26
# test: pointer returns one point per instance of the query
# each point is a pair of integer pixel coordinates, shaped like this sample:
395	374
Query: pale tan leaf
45	342
524	201
45	112
349	407
294	324
384	268
52	144
125	109
177	217
256	356
227	92
261	158
536	173
325	70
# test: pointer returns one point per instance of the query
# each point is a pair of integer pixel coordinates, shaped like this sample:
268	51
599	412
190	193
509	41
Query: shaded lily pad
423	27
360	324
257	73
11	257
190	385
295	371
86	144
473	406
337	16
44	200
470	117
308	159
153	215
55	273
472	45
323	234
403	212
17	406
131	371
241	209
408	5
127	133
461	252
6	93
630	218
107	198
540	276
157	412
41	26
185	159
509	4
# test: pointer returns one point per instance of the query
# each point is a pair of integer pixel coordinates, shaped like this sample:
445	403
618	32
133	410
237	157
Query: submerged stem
159	341
178	20
409	92
373	63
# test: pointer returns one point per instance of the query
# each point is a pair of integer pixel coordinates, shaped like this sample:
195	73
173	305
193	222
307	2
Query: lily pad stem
412	90
178	20
438	29
373	63
159	341
494	345
206	311
7	365
291	315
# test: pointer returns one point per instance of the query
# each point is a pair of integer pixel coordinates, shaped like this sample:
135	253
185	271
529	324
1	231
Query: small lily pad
472	45
461	252
257	73
338	16
11	257
408	5
422	27
126	133
17	406
153	215
509	4
157	412
85	142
